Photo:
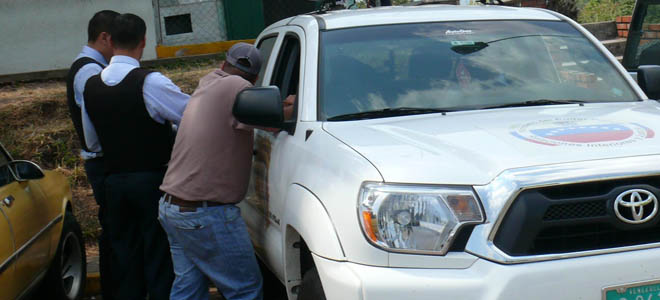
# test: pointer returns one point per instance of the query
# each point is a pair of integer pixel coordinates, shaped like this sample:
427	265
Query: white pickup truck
445	152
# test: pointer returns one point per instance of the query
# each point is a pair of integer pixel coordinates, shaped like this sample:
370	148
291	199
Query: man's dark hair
127	31
231	69
100	22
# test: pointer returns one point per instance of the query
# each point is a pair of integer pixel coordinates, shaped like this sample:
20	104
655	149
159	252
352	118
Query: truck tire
65	279
311	288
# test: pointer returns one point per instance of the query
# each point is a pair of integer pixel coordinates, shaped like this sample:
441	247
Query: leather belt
185	203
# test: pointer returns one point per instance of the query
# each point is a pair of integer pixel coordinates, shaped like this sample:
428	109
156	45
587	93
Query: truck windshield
422	68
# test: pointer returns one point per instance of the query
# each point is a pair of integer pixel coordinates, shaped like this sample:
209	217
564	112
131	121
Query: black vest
131	140
74	110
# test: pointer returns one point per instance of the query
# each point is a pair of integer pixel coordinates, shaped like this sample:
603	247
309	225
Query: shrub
605	10
567	8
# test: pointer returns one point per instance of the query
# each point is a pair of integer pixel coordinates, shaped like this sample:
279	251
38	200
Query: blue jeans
210	243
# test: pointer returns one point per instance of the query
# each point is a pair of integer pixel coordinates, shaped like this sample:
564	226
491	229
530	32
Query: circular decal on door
581	132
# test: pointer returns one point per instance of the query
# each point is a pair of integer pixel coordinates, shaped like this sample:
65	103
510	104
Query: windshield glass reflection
462	65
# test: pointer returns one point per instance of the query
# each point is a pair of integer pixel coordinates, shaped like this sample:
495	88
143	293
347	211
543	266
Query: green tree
605	10
565	7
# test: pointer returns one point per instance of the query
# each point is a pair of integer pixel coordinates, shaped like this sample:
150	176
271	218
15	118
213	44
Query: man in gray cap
207	175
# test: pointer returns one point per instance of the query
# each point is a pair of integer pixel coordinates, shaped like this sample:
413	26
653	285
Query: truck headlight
416	219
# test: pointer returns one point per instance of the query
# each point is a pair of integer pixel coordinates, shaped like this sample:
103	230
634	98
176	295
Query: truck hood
473	147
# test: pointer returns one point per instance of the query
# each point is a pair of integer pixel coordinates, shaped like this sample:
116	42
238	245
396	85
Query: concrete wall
42	35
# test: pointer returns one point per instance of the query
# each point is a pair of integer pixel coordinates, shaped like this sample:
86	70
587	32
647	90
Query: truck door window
648	52
265	48
643	44
287	68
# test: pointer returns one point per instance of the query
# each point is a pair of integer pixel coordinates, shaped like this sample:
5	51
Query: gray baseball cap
249	54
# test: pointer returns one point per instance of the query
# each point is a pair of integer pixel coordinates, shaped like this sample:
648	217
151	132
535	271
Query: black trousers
96	177
139	244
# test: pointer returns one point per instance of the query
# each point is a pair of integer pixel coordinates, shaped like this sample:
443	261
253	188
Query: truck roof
427	13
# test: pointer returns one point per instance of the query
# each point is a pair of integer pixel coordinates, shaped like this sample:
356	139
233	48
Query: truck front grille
574	217
578	210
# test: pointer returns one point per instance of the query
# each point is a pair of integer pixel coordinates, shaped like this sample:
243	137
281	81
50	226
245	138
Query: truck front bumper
576	278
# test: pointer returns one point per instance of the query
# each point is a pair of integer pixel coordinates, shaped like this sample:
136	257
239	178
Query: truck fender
306	215
306	220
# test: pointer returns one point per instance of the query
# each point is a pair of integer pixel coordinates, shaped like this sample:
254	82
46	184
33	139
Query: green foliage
567	8
652	14
605	10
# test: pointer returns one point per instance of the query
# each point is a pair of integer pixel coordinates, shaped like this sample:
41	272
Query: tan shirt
212	155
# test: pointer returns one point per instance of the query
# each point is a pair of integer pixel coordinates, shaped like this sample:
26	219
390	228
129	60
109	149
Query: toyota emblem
636	206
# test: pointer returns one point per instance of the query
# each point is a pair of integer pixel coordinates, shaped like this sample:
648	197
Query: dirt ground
36	126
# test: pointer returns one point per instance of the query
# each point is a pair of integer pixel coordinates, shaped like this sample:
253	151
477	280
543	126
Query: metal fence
182	22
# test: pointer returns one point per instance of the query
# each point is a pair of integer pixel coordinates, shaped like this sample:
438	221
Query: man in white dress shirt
129	108
91	61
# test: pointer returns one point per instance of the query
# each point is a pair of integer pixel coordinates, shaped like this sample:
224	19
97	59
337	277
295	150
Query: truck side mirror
260	106
648	78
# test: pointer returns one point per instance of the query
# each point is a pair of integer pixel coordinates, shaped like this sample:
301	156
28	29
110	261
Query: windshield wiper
465	47
388	112
534	103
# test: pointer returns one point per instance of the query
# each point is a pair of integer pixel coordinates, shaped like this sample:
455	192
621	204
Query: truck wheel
311	288
65	279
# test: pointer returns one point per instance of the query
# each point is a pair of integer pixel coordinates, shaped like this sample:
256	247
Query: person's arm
91	138
79	81
288	107
163	99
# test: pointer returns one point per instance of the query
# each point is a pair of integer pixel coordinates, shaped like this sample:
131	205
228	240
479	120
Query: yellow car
41	243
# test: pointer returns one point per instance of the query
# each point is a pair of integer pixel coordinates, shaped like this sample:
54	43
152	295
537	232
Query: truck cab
452	152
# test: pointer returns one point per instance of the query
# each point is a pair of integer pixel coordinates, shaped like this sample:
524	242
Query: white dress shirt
79	81
163	100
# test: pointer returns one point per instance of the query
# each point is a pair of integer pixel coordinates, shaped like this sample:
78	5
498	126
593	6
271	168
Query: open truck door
642	55
643	44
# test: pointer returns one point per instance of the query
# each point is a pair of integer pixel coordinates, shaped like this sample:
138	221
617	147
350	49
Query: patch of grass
86	211
187	74
36	126
190	64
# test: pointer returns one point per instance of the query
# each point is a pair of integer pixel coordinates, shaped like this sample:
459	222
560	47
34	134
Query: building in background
45	35
201	21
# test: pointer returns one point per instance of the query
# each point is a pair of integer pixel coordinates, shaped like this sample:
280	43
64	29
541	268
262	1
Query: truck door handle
8	201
